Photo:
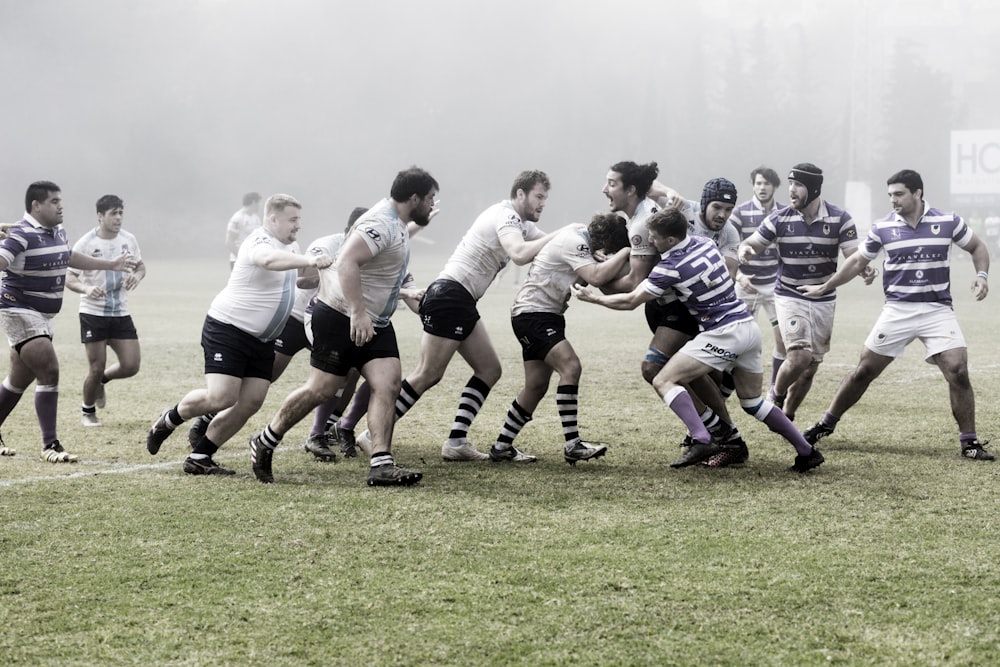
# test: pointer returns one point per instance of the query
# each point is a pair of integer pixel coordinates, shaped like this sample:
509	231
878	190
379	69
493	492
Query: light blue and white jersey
114	303
382	276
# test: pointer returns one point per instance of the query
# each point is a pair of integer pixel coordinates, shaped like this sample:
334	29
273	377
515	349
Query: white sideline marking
120	469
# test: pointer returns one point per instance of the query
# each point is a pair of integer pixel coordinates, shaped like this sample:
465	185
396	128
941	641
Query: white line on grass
87	473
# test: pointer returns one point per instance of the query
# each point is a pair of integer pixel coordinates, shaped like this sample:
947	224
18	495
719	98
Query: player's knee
571	372
490	375
653	363
753	406
128	370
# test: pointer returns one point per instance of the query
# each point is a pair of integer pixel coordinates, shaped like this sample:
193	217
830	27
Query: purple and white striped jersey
37	261
746	218
696	271
807	253
917	259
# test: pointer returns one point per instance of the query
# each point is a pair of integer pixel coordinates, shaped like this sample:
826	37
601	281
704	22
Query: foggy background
182	106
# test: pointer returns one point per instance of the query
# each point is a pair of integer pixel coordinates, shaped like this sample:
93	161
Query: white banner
975	162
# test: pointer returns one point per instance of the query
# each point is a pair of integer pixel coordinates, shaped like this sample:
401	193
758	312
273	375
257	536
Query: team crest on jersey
96	252
826	230
935	229
790	228
894	234
124	248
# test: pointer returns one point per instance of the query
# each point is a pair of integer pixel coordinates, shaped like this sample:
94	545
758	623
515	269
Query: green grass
885	555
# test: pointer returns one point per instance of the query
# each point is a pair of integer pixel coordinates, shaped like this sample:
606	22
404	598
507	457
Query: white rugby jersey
480	255
638	234
383	275
257	300
727	239
324	244
242	223
552	273
114	303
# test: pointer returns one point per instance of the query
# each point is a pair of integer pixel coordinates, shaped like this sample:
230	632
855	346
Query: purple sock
321	414
358	407
776	420
775	366
8	399
46	407
829	420
680	402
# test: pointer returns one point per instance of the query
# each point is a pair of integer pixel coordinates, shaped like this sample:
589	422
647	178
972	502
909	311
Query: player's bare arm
622	301
748	249
604	271
981	262
856	264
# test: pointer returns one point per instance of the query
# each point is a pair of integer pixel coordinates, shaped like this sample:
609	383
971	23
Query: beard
422	218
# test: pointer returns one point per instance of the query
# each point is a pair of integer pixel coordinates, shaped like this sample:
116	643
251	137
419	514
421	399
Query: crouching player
729	340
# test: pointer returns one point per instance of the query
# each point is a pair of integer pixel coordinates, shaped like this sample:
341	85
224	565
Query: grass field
885	555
